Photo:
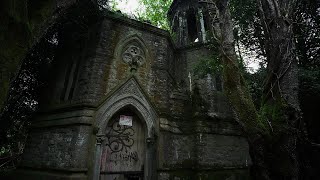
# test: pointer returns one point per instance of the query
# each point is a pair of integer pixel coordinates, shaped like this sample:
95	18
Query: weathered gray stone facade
186	127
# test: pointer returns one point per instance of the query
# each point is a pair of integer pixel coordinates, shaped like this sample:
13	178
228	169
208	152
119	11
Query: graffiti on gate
120	141
130	156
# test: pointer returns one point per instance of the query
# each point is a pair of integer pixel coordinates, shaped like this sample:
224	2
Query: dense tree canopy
156	12
151	11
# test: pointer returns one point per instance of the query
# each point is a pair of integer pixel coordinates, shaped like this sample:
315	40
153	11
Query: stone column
202	28
97	164
151	158
180	31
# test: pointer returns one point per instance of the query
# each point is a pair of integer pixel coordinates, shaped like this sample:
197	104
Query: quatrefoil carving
134	56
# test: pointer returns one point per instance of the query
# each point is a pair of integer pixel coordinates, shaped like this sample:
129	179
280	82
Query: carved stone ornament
134	56
100	139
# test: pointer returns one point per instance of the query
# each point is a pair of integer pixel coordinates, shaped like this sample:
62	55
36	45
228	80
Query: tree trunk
281	104
25	24
271	132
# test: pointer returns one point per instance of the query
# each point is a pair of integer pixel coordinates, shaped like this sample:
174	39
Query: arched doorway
128	98
124	147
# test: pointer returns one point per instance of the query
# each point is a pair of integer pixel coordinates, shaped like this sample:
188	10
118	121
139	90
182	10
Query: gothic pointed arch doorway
124	147
128	100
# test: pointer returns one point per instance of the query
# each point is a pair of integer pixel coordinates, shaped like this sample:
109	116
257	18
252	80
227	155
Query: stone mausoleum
125	103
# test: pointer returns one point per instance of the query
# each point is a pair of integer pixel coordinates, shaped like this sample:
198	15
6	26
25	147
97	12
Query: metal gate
123	153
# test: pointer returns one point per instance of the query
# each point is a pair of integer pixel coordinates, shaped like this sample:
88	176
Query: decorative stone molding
129	94
132	51
134	56
130	88
100	139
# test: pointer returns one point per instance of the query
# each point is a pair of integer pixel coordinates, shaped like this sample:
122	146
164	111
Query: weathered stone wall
190	144
176	151
210	90
221	151
197	145
88	70
58	148
194	54
101	69
190	156
155	75
186	157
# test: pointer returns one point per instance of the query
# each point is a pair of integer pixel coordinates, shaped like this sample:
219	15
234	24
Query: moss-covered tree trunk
14	41
271	131
281	104
21	23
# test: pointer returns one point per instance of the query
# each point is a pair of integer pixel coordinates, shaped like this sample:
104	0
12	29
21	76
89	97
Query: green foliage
210	65
155	11
151	11
113	4
255	84
307	33
247	26
243	11
272	113
4	150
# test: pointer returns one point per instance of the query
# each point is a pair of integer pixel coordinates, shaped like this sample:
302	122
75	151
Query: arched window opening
175	28
192	27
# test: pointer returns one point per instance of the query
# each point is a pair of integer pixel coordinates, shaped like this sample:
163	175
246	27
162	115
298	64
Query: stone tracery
133	55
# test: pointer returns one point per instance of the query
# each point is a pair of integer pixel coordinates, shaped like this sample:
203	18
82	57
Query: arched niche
129	95
133	51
